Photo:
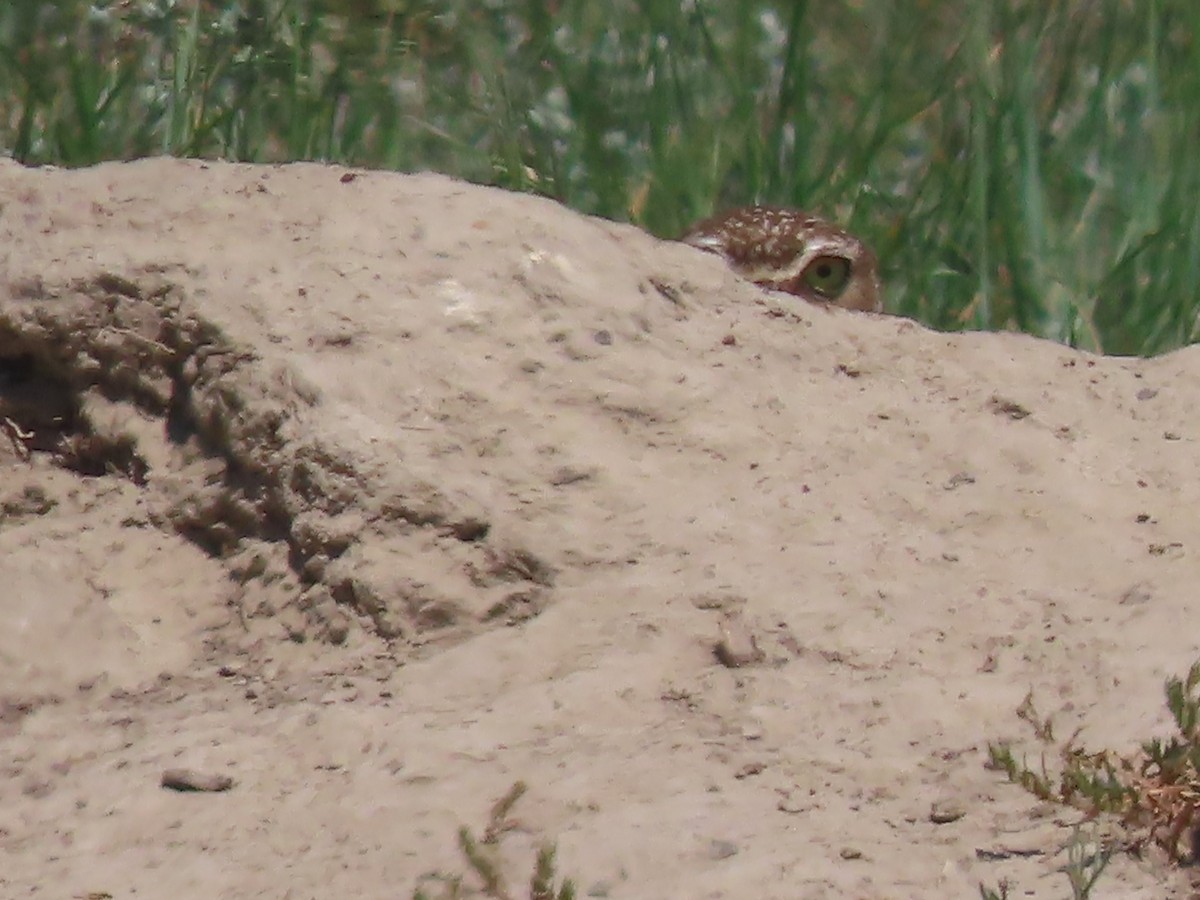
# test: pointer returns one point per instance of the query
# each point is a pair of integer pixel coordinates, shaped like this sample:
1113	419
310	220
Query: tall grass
1017	163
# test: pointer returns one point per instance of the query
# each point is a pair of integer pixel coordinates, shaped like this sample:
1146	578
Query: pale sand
523	465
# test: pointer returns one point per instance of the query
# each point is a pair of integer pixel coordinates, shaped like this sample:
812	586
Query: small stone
957	480
850	853
719	600
191	780
565	475
945	811
37	788
722	849
737	646
753	731
795	805
1002	406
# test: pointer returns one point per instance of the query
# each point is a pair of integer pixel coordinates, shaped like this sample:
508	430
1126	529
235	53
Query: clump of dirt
120	376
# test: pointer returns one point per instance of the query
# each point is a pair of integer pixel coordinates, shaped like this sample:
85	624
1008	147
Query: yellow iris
827	275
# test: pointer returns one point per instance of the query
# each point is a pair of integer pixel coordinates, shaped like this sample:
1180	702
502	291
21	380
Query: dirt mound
380	491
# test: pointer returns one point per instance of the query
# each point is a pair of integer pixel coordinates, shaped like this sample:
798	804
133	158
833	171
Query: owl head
791	251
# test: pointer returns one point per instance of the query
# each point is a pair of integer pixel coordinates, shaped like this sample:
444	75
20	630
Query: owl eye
827	275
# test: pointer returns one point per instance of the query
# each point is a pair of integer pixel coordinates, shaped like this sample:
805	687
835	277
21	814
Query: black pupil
824	270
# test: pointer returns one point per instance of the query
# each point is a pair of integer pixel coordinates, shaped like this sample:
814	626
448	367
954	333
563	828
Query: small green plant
1155	792
483	861
1086	862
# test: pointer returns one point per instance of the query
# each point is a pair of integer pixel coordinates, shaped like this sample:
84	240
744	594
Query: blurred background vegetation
1020	164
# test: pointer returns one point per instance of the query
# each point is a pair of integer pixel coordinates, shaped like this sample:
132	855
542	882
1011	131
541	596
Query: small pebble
191	780
945	811
737	646
722	849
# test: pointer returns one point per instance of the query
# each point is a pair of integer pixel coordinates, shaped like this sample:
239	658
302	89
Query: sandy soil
378	493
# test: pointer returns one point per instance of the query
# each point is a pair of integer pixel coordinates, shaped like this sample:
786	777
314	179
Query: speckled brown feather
772	247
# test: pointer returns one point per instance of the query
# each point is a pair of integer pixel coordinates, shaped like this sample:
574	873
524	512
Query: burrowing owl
788	250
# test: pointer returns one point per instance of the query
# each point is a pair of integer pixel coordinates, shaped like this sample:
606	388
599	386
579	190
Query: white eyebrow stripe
711	242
